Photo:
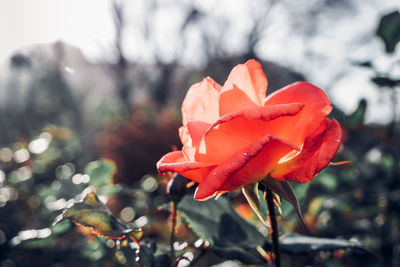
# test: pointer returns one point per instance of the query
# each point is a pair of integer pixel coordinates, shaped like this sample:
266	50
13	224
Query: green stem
172	237
274	227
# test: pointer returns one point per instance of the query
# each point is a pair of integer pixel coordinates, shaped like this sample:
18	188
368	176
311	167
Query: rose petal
201	102
176	162
233	100
189	152
184	135
249	78
237	130
246	166
196	130
265	113
316	107
316	154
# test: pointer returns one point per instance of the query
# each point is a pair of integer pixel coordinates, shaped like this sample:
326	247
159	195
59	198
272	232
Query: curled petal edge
265	113
317	152
176	162
227	177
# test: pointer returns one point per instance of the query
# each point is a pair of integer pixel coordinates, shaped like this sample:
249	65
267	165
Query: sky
325	56
87	24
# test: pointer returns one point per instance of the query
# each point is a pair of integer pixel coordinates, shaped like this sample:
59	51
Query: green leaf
262	202
285	191
232	242
101	172
237	253
205	218
229	235
299	244
95	215
147	257
389	30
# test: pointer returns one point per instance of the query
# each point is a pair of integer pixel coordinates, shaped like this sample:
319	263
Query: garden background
90	96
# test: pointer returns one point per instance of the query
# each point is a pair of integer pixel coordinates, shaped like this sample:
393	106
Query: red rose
234	135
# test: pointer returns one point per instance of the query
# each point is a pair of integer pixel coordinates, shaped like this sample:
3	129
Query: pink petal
316	154
234	100
196	130
246	166
316	107
249	78
235	131
189	152
176	162
184	135
201	102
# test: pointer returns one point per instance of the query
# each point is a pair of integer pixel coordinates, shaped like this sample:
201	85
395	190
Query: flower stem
274	227
172	236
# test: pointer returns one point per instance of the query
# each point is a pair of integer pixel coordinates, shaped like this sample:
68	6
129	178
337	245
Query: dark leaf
299	244
229	225
147	257
206	218
229	235
231	243
285	191
95	215
389	30
383	81
237	253
206	257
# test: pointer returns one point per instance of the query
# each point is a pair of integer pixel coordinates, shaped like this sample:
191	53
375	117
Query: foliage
95	215
229	235
49	157
389	30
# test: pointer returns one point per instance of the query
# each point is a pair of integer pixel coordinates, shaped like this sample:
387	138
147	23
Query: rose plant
234	135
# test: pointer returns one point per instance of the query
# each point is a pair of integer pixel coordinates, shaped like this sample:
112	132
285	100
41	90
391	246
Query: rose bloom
234	134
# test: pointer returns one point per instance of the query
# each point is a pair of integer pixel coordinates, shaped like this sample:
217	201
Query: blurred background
102	79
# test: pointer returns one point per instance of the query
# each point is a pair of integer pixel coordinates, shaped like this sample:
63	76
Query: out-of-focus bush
139	143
